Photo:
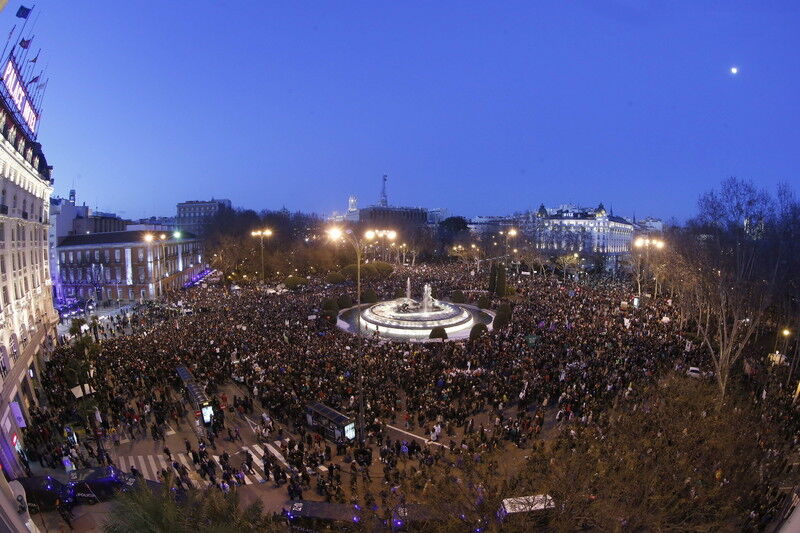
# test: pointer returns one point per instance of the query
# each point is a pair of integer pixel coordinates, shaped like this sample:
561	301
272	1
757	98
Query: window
116	255
71	257
2	232
97	255
141	254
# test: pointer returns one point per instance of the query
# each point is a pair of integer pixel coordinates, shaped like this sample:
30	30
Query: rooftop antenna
384	200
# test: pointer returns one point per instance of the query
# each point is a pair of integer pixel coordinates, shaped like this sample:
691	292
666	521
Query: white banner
18	417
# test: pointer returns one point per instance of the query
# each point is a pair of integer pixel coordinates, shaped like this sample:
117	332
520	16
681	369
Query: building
63	212
27	317
99	222
393	217
127	266
152	224
436	215
574	229
351	215
194	215
69	218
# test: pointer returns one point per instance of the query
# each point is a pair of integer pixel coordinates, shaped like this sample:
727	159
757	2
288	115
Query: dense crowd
570	351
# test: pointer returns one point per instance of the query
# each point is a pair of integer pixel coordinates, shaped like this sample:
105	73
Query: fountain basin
384	320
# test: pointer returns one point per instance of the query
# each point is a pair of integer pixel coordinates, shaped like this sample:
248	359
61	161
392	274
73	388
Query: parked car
42	493
696	373
92	485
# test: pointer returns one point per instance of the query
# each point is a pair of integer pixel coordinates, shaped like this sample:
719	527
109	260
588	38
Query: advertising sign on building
16	89
18	416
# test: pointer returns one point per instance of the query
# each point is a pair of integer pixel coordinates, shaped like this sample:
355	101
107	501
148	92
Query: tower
384	200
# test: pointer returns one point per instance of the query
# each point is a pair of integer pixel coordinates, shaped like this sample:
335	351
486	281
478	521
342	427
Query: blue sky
479	107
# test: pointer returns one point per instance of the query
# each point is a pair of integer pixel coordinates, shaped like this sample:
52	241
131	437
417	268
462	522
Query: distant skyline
483	109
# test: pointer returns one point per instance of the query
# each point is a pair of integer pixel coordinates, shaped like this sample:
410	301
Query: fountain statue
408	318
427	300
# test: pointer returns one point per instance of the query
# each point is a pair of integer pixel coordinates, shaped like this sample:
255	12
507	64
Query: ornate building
127	266
27	317
571	229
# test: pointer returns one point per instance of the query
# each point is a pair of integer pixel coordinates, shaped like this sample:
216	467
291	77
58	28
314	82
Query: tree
477	331
736	271
383	269
493	278
500	284
369	297
145	510
501	320
335	278
438	333
534	258
295	282
75	327
344	301
451	228
484	302
567	262
457	297
662	460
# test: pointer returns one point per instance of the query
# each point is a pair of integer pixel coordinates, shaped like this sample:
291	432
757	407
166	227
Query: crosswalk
150	465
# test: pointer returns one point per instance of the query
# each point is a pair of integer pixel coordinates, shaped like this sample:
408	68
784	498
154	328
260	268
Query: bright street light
786	332
148	237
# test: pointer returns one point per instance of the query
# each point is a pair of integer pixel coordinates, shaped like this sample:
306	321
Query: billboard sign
18	92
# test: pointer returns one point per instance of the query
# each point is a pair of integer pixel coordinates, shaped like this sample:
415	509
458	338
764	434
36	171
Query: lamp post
261	233
337	234
646	243
162	262
148	238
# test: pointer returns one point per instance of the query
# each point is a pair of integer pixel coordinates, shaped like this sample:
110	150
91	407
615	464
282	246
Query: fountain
406	318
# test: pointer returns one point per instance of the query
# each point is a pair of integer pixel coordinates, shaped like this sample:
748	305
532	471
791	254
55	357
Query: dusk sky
478	107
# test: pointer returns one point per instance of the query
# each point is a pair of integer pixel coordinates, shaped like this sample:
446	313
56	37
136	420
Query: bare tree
736	272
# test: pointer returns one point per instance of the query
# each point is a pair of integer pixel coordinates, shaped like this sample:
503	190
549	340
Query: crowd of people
570	352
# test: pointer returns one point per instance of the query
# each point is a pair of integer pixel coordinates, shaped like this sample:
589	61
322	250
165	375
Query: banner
18	416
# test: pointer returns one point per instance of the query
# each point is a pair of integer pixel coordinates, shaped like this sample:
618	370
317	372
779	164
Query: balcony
3	209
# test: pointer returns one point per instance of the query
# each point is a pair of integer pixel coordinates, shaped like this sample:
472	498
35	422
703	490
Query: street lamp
646	243
337	234
261	233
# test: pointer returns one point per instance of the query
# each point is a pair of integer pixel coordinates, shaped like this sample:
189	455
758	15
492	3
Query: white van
525	504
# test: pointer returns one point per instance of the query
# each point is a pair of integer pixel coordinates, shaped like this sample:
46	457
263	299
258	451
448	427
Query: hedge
369	297
293	282
457	297
438	333
477	330
335	278
344	301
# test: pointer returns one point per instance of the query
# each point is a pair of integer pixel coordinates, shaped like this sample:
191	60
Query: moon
734	70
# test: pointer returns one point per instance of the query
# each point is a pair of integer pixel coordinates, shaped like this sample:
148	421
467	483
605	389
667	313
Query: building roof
120	237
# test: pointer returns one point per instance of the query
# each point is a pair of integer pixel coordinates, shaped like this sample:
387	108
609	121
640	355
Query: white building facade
27	317
581	230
